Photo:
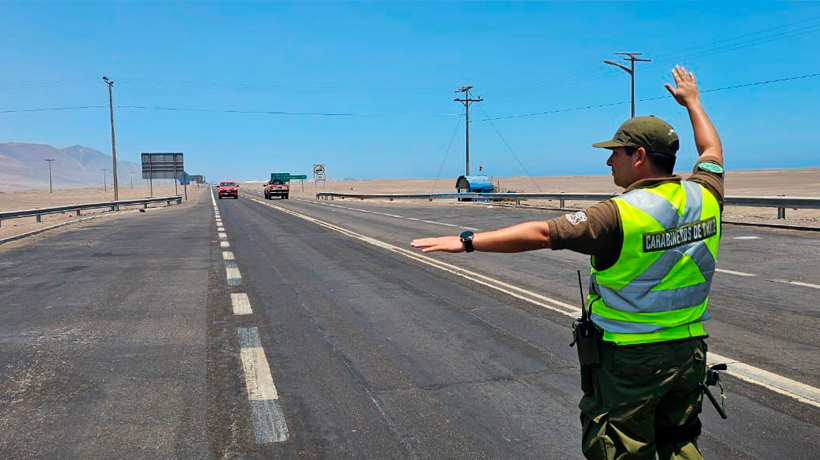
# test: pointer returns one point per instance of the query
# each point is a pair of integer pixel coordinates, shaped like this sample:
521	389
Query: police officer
653	252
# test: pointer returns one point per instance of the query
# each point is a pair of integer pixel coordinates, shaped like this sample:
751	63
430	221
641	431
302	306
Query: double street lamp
632	58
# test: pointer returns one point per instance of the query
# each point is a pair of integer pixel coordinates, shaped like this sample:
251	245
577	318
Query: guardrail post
169	203
781	213
561	202
517	202
179	201
430	199
39	218
391	198
78	213
145	206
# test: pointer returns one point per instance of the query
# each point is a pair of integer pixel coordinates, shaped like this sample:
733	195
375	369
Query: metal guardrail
114	205
779	202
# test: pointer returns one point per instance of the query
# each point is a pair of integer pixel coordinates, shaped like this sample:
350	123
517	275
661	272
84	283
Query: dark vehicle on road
228	188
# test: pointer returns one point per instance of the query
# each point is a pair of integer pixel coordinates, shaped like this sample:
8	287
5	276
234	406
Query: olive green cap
651	133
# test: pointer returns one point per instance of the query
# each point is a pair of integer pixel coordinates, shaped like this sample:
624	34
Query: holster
586	337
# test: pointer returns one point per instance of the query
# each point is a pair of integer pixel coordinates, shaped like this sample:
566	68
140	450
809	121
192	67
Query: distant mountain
22	166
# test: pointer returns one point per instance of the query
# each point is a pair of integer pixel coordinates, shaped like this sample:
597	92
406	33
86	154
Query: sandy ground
34	199
789	182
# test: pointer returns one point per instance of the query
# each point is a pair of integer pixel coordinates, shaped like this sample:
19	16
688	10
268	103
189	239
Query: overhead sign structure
319	172
161	165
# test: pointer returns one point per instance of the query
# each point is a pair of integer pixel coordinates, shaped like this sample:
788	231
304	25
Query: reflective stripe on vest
659	286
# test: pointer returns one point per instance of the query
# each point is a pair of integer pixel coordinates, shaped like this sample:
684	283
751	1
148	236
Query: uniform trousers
644	400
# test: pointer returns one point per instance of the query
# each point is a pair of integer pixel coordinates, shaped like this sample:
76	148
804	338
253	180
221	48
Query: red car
228	188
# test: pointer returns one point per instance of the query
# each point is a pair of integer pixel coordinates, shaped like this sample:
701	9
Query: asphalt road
134	339
457	370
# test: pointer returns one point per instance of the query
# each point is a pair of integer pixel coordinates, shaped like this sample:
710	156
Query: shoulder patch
576	218
711	167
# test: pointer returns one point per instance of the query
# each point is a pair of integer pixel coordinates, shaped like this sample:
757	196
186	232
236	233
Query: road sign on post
319	173
161	166
298	177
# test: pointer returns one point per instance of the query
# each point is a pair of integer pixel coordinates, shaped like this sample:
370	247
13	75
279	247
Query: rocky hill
22	167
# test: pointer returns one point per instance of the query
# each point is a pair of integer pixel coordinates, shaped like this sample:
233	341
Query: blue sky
395	66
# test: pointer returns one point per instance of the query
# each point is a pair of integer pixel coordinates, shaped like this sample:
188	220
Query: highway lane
425	364
103	340
773	325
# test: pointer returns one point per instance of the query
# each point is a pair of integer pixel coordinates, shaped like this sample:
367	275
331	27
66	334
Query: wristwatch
467	241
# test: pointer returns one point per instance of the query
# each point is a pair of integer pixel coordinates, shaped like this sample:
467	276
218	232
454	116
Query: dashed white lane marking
797	283
732	272
224	244
241	304
220	228
227	255
746	238
395	216
223	236
269	424
232	273
777	383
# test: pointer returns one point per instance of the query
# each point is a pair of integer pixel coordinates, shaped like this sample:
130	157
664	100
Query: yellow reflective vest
658	288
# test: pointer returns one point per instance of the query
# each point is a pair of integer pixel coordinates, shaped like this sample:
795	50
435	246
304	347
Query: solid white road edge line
395	216
779	384
241	304
796	283
732	272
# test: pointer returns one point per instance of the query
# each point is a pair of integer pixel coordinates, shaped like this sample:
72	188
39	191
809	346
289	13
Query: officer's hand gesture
444	243
686	92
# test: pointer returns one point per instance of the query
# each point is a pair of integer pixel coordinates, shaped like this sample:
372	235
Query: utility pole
113	142
132	179
632	58
467	101
50	189
105	185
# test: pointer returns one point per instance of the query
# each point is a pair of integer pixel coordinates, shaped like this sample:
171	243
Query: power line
54	109
446	152
610	104
682	54
487	118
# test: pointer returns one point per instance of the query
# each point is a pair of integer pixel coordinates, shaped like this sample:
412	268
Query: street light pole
113	141
105	185
50	188
632	58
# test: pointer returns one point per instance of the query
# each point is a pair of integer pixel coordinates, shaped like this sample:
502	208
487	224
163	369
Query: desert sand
34	199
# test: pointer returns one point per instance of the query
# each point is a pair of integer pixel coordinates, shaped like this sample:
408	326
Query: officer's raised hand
686	92
528	236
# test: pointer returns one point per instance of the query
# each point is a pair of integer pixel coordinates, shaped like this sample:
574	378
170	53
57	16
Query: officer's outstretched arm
686	93
518	238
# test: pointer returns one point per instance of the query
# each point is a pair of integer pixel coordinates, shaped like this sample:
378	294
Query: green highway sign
287	177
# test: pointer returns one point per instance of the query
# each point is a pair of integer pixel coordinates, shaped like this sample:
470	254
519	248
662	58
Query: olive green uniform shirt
597	231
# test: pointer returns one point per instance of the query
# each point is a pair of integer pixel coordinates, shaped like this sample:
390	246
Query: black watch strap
467	241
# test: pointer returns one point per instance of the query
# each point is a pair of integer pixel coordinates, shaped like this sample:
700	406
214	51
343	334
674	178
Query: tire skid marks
268	419
782	385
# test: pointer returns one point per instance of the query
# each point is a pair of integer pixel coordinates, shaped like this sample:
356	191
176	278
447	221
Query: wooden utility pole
50	188
113	141
467	101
